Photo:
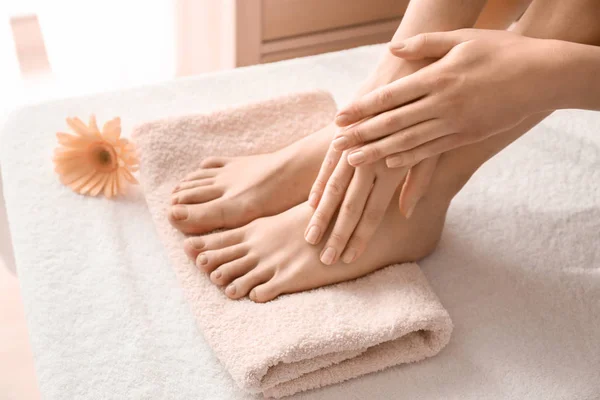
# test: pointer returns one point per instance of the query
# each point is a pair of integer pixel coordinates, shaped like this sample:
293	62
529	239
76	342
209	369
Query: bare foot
230	192
269	256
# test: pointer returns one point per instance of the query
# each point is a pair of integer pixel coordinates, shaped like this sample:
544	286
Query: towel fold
300	341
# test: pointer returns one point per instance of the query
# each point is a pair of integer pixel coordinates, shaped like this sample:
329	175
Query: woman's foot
230	192
270	257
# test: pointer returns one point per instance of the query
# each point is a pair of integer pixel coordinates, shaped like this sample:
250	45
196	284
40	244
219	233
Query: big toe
197	218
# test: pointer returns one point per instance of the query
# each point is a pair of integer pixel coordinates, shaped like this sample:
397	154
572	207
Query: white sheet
518	267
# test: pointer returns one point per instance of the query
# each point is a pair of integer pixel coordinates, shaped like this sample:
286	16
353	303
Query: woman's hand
362	196
485	82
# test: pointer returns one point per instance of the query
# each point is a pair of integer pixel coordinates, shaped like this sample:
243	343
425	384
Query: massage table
517	268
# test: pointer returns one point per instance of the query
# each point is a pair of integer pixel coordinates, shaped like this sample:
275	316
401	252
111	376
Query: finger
393	95
385	124
403	140
379	199
429	149
329	203
429	45
349	215
416	185
327	167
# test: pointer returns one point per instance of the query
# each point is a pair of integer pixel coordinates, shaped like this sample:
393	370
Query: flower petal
108	186
71	141
112	130
80	128
63	153
95	191
78	184
94	180
129	176
74	175
93	125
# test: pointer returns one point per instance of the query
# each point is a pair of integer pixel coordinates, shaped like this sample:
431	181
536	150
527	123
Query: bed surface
518	266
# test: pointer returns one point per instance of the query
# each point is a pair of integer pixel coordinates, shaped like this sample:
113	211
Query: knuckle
350	208
374	153
357	135
388	121
335	188
384	97
319	216
336	237
421	41
318	185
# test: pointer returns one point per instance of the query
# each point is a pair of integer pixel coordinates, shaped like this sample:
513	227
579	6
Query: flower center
103	156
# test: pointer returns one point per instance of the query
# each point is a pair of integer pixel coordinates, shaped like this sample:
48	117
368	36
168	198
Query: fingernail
230	290
202	259
328	256
349	256
342	119
313	199
174	200
356	158
393	162
180	212
312	236
411	209
397	46
340	143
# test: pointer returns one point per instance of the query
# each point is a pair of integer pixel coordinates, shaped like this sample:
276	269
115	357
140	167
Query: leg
269	256
230	192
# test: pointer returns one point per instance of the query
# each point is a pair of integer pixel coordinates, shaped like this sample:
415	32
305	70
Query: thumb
428	45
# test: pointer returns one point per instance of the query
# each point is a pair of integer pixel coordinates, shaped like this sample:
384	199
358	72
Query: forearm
420	17
576	76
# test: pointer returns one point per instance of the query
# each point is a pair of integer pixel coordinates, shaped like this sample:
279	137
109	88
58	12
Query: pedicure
328	256
180	212
356	158
340	143
202	259
230	290
312	236
349	256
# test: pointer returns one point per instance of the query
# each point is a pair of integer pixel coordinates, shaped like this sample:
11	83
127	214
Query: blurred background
51	49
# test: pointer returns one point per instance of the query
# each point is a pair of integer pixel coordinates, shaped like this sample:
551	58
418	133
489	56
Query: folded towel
299	341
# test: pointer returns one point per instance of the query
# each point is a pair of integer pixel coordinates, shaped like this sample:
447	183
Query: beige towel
300	341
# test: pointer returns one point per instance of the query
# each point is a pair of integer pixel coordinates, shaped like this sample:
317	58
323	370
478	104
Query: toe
197	195
232	270
193	246
267	291
245	283
210	260
214	162
193	184
198	218
201	174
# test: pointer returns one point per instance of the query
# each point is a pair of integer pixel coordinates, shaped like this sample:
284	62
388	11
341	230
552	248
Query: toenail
175	188
202	259
356	158
349	256
198	244
328	256
230	290
174	200
180	212
312	236
217	274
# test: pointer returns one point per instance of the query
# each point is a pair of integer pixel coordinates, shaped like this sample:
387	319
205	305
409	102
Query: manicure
342	119
349	256
328	256
340	143
312	236
356	158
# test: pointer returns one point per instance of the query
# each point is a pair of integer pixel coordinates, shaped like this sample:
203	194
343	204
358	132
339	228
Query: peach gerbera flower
94	162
